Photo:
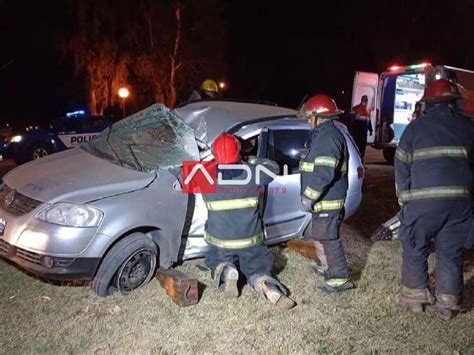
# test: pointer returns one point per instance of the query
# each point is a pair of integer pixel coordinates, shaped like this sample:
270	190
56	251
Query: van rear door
366	84
465	78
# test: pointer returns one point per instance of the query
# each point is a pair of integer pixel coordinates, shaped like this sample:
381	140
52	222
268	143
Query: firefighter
208	91
324	185
234	228
433	175
416	113
360	124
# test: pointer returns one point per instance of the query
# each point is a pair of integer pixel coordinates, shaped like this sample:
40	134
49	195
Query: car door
366	84
75	131
68	132
283	217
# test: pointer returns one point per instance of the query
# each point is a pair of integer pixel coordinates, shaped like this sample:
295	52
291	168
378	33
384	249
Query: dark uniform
324	181
434	178
359	126
234	228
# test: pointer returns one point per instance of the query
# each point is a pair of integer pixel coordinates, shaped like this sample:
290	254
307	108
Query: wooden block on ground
303	247
182	288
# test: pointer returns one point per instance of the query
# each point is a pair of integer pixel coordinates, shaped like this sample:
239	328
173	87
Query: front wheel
129	265
39	150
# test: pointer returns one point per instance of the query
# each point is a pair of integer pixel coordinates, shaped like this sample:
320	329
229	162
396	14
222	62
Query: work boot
337	285
273	292
226	277
319	269
415	300
322	262
447	306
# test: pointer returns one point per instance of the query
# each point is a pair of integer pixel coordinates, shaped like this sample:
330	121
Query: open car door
366	84
283	217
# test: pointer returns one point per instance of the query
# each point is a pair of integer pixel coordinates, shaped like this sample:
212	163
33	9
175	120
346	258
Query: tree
159	48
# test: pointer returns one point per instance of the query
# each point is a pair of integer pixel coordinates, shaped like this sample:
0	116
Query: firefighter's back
440	148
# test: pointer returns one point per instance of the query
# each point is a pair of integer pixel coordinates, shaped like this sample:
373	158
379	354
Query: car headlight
16	139
72	215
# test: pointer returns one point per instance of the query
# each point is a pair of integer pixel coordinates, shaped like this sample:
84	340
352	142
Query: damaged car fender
161	207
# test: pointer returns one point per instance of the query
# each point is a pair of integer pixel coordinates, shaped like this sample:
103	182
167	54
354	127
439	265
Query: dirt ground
40	317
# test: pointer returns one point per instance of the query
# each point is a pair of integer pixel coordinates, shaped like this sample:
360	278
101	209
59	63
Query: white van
393	95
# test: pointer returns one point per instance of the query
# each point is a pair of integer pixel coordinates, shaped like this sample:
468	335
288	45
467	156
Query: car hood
74	176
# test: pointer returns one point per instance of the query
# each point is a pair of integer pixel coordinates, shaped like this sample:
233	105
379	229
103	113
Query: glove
307	204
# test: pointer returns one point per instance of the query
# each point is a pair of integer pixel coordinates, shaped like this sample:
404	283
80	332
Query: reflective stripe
322	161
326	161
236	204
432	153
344	167
306	167
336	282
440	152
331	205
311	194
234	244
403	156
435	193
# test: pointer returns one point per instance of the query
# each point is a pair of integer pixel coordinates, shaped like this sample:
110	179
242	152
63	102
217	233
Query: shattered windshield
152	139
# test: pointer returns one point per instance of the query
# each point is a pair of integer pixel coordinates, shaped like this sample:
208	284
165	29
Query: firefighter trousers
252	262
449	235
359	133
326	232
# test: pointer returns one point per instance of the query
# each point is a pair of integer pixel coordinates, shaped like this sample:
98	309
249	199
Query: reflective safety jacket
434	161
323	169
234	220
361	110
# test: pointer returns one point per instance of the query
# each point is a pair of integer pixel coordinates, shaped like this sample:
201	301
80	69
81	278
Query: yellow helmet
209	85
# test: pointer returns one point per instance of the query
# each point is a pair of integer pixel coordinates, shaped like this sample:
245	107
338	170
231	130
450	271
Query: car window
285	147
249	146
68	125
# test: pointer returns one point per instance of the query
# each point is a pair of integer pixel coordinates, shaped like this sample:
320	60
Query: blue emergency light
75	113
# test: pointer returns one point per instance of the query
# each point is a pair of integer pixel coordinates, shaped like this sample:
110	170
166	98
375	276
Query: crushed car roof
210	118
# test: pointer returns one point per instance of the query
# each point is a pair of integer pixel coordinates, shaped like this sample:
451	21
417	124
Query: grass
38	317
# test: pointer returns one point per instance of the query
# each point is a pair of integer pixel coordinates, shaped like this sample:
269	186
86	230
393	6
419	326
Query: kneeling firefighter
324	185
234	228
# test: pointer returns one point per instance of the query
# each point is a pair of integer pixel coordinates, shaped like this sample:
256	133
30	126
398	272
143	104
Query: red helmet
226	149
441	90
321	106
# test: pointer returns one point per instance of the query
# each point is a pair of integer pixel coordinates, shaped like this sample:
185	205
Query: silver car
113	210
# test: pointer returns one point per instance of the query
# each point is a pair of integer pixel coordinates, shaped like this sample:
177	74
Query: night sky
277	51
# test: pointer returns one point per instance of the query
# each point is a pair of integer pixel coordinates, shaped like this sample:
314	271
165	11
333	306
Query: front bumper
51	267
45	249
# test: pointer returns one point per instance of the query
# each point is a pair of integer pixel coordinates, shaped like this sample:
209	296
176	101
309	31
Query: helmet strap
321	120
313	122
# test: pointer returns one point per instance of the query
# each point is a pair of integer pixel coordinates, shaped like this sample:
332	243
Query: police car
36	142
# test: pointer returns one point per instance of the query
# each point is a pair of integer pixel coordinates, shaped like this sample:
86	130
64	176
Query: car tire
389	155
130	264
39	150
